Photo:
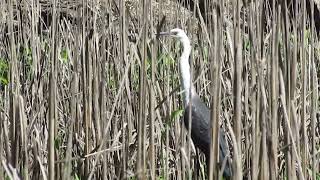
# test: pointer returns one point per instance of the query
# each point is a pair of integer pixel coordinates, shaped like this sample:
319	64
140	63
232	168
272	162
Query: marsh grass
88	92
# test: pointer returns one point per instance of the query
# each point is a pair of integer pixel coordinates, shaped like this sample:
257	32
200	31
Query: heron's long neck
185	71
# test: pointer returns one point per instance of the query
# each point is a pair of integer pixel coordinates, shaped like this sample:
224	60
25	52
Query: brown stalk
304	92
80	98
123	58
52	97
294	146
152	102
215	91
13	89
237	167
314	97
24	140
274	91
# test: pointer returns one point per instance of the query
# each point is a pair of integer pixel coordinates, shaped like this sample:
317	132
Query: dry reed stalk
90	124
237	168
215	64
152	135
85	90
314	98
24	140
253	12
13	89
71	124
167	145
274	92
304	92
142	99
52	97
123	57
2	119
294	146
102	105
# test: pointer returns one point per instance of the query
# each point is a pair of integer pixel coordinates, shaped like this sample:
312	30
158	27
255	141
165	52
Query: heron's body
200	113
200	131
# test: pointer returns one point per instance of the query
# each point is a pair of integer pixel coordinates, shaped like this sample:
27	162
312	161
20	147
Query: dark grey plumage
200	132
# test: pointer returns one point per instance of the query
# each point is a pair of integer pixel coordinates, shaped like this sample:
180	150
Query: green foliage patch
4	72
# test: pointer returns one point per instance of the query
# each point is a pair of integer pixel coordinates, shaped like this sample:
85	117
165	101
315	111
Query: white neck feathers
185	70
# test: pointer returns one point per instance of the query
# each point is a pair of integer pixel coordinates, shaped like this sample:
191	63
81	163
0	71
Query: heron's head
181	36
177	33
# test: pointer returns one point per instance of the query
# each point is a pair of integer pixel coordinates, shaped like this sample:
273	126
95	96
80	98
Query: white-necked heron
200	113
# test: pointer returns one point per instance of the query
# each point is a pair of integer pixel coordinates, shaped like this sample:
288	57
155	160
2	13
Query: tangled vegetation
87	90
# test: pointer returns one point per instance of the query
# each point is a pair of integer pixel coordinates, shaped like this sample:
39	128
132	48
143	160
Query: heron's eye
175	33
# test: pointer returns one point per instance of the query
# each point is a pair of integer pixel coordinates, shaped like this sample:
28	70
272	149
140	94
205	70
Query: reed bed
89	92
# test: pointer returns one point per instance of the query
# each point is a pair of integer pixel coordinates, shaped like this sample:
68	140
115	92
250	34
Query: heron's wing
200	126
200	129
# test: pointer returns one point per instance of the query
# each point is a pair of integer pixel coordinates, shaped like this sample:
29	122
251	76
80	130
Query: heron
200	113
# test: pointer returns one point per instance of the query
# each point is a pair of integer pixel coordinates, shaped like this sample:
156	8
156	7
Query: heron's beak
164	34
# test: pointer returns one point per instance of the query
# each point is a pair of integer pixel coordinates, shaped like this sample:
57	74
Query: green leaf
64	56
176	114
4	68
57	143
76	177
4	80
